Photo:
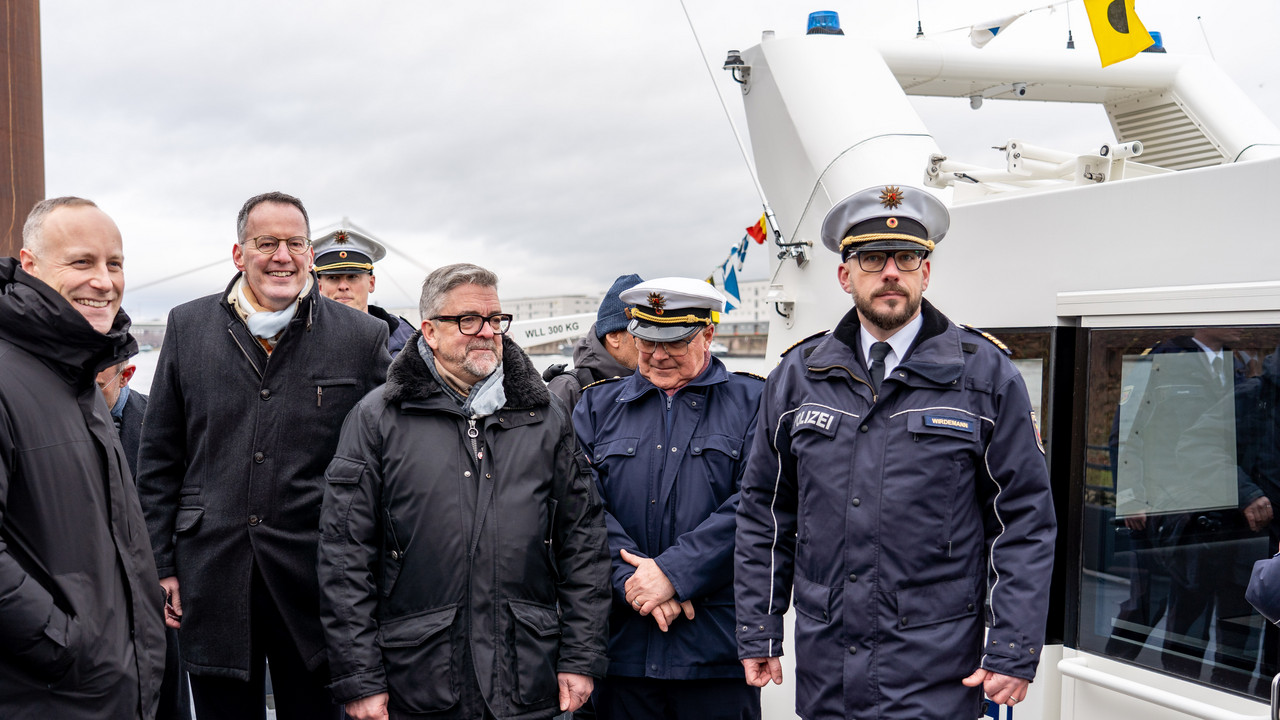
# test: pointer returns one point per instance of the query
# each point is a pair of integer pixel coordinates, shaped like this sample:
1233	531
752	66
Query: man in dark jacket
462	554
668	446
898	486
344	263
81	636
127	409
249	393
606	350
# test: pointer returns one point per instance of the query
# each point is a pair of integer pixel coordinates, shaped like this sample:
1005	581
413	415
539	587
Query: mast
22	119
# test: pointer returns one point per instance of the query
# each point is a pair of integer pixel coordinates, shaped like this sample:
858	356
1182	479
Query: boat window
1182	470
1029	350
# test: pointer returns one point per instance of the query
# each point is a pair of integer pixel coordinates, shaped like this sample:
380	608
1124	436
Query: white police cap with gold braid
671	308
347	252
886	217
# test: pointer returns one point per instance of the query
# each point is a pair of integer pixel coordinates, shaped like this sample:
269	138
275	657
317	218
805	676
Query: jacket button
904	622
531	413
265	394
395	554
254	520
864	428
259	457
853	577
659	447
673	450
466	473
970	607
857	502
853	650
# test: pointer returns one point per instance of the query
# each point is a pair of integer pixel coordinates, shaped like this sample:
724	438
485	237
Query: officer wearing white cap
344	263
897	485
668	446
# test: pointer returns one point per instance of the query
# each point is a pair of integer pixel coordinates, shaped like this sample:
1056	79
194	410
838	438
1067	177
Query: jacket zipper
319	394
874	395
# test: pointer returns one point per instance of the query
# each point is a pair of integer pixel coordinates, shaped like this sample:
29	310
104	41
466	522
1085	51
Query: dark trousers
624	698
299	694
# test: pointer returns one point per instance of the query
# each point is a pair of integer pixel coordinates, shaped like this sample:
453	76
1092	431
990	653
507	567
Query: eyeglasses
267	244
875	260
675	348
104	385
471	324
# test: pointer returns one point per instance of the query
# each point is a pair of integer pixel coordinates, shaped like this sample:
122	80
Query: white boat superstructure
1089	264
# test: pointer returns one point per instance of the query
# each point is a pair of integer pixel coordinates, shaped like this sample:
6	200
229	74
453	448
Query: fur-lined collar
410	379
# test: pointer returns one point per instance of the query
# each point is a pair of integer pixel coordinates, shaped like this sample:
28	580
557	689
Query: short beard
893	319
477	367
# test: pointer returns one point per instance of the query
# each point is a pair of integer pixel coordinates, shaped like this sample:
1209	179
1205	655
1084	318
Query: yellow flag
1117	30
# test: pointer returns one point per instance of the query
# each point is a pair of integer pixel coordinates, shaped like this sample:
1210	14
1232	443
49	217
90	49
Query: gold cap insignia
891	197
342	254
340	236
892	222
657	302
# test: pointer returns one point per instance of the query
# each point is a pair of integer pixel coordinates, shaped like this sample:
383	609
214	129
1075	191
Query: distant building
553	306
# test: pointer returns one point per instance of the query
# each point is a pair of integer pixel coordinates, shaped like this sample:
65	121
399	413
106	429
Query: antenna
1200	21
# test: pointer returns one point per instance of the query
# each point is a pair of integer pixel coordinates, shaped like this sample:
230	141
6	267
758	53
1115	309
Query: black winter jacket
81	631
231	467
434	544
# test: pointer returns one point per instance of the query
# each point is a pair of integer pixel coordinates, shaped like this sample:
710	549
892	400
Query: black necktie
878	352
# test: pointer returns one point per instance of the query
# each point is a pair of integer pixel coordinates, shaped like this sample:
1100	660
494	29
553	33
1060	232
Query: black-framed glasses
675	348
875	260
471	324
268	244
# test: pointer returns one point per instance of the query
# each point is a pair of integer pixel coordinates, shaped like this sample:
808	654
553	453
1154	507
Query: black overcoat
231	467
81	631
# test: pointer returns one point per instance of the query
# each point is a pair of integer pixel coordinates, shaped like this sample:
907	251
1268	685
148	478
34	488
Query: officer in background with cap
898	486
668	447
344	262
606	350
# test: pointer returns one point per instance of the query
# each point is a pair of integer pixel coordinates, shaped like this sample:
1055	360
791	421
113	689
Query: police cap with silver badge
347	252
671	308
887	217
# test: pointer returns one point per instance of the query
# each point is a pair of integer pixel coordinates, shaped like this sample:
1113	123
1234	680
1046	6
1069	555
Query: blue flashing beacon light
824	22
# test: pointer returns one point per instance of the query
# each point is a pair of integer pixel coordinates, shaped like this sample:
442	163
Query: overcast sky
559	143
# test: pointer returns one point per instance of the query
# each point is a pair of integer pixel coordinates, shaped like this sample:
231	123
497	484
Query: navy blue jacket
669	481
895	520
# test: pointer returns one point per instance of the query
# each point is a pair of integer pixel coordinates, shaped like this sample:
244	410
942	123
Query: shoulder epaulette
602	382
744	373
992	338
801	342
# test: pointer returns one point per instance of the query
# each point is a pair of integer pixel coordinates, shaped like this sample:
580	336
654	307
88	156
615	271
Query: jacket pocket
342	390
341	477
937	603
813	600
537	643
417	652
188	519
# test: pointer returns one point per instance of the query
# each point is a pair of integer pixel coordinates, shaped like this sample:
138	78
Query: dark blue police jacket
668	470
895	520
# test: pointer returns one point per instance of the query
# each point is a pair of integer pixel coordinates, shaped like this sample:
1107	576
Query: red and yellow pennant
759	230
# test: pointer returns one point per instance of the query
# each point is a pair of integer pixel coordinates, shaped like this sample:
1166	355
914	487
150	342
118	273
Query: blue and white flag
732	299
981	33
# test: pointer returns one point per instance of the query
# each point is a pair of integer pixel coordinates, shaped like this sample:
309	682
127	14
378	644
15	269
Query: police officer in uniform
344	262
668	447
897	484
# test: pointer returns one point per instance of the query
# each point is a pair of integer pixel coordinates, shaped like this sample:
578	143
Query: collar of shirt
899	343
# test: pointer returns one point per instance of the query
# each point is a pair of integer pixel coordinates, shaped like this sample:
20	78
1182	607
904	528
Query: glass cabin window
1182	472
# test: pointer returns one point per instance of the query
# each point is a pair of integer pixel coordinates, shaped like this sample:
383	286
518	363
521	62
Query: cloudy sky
559	143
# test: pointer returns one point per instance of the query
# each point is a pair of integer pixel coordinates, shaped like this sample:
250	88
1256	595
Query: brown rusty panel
21	119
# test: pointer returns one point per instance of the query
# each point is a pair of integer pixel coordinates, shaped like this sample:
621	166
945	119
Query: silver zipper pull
472	432
319	394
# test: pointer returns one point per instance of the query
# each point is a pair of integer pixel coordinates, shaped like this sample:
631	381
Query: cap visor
887	245
661	333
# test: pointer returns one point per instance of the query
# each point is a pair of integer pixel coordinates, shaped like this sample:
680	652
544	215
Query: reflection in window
1181	472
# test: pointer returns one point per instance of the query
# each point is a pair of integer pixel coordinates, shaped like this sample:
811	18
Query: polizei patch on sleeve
945	421
824	421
